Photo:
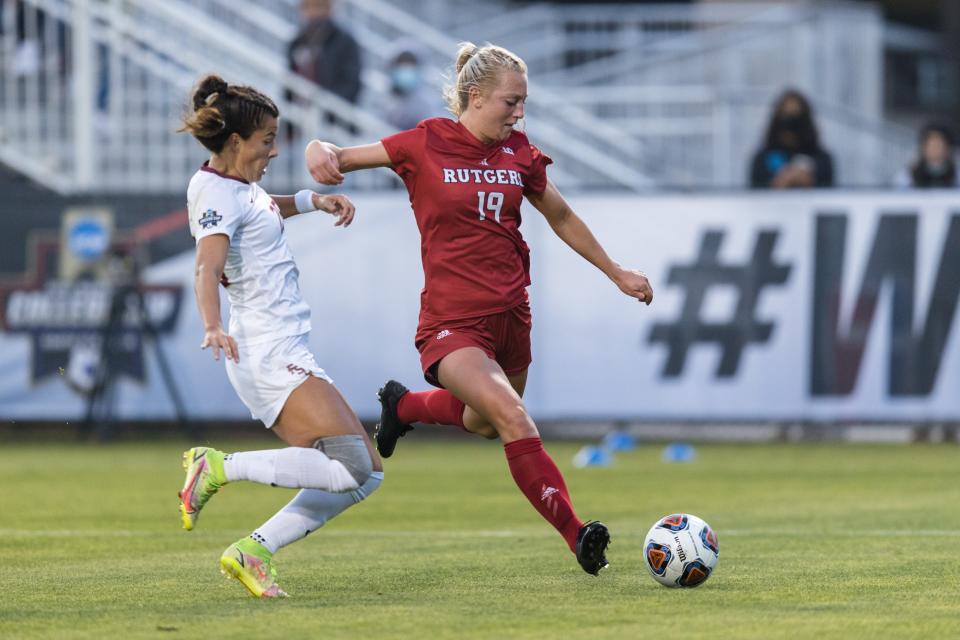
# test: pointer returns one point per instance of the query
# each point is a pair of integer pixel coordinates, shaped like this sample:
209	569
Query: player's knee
514	423
350	451
486	430
479	426
489	432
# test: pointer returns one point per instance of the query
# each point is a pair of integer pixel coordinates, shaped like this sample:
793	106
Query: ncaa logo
443	334
210	218
88	239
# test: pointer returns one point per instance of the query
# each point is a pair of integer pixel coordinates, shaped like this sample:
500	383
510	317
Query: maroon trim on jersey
224	281
206	167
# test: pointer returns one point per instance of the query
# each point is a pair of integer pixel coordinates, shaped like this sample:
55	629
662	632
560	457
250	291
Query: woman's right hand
323	163
635	284
218	339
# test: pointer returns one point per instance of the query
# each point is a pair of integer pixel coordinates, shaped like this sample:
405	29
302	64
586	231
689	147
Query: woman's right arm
327	162
211	257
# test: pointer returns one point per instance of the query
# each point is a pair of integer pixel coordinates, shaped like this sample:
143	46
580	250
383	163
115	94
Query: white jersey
260	275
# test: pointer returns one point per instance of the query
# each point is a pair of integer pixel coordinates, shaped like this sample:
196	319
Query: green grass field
817	541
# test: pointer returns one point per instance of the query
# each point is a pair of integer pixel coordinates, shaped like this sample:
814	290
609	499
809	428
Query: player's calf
309	510
335	463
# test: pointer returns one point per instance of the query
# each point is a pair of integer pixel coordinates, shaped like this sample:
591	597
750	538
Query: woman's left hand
635	284
337	205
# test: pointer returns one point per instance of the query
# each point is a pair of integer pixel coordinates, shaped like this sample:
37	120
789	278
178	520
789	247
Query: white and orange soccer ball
681	550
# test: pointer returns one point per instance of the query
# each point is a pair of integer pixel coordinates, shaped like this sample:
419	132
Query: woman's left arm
335	204
572	230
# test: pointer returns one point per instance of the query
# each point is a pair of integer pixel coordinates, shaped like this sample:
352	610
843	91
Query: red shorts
504	337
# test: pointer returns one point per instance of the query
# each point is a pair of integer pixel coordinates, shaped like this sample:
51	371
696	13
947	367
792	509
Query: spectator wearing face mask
791	156
326	53
935	167
411	100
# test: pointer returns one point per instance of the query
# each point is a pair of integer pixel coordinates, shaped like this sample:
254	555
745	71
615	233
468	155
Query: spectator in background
791	156
411	100
325	52
32	51
935	168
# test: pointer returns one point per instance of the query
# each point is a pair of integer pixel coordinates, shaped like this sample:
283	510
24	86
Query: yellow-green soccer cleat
250	562
204	467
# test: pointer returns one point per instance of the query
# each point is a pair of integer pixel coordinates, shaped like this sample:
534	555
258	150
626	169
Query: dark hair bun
212	84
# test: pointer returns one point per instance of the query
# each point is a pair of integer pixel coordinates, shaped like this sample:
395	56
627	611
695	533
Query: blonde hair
478	67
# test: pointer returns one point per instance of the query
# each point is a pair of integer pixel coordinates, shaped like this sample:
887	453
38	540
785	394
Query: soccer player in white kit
241	246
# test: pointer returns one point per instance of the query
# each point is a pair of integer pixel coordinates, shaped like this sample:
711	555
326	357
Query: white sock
308	511
293	467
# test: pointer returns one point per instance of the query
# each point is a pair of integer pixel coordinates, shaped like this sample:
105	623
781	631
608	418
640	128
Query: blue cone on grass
591	456
619	441
679	452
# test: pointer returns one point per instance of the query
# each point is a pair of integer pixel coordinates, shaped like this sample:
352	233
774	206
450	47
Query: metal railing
681	93
703	138
590	152
98	108
664	96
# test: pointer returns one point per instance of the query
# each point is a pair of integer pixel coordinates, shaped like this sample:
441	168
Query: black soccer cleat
390	429
592	541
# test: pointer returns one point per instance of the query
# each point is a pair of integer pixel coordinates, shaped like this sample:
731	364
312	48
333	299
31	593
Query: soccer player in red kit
466	179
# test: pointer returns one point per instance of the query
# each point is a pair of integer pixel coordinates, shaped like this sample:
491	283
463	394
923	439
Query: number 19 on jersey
492	201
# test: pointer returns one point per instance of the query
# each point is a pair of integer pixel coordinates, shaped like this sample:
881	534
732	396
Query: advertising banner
827	306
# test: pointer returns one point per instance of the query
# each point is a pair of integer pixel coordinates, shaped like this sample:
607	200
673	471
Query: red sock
430	407
540	480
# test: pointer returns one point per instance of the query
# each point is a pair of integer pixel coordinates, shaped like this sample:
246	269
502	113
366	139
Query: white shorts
268	373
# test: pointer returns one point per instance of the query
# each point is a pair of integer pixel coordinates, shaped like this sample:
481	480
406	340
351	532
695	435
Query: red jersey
466	197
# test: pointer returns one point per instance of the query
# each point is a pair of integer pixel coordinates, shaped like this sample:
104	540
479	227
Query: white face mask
405	77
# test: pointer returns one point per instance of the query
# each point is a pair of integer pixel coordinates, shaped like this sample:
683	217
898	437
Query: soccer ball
681	550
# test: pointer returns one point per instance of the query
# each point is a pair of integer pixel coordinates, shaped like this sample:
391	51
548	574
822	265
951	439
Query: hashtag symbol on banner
706	271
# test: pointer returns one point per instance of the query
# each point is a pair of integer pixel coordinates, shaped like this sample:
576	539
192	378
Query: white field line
468	533
369	533
843	533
